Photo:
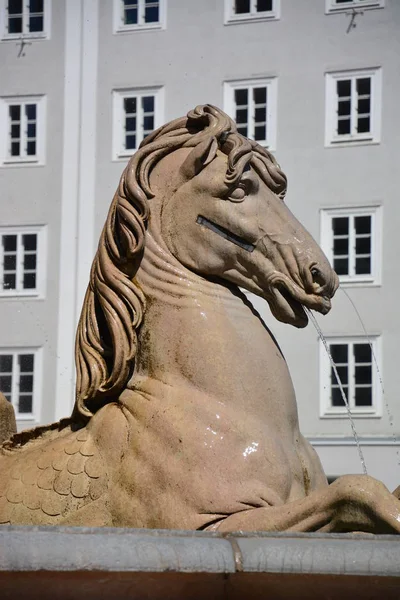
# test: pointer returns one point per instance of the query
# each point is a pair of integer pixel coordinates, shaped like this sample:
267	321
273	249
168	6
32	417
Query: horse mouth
288	302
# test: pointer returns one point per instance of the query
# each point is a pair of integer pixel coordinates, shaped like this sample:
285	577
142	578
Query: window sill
22	163
251	19
359	283
123	157
359	8
15	37
134	28
25	417
354	415
20	295
346	143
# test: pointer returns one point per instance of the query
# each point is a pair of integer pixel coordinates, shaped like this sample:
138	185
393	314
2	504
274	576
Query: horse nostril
317	276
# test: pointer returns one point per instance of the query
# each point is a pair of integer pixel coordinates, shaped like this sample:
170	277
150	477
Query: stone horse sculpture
185	414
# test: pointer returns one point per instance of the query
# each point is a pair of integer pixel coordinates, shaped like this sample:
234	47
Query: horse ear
199	157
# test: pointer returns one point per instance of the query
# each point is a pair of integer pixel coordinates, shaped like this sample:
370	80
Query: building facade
316	81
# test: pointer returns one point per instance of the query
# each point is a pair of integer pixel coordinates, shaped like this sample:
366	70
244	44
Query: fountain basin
72	562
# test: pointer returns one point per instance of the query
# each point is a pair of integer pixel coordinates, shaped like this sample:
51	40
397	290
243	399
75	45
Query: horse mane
114	305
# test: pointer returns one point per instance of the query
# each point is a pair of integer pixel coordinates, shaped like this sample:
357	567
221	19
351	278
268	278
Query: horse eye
237	195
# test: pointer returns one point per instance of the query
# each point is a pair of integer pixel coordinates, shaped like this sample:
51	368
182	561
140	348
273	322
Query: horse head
217	201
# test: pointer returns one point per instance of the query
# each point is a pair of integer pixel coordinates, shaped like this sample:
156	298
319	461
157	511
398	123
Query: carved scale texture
45	481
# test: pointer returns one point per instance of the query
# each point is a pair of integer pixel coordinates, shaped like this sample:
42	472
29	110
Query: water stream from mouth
386	404
346	402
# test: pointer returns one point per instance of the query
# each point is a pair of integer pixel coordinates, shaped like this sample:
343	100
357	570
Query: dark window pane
29	241
344	108
363	224
25	403
5	384
339	352
15	112
242	6
343	375
364	86
31	148
130	105
14	7
151	14
363	125
260	95
148	123
344	127
131	16
242	131
362	353
26	362
29	281
341	266
241	115
15	149
6	361
363	245
15	25
264	5
241	97
30	261
364	106
363	396
259	132
130	142
363	375
26	383
30	111
10	243
10	262
31	130
148	103
341	245
336	396
130	124
260	115
363	266
35	6
344	88
9	281
15	130
35	24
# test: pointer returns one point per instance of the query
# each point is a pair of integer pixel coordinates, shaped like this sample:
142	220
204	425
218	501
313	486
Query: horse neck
192	326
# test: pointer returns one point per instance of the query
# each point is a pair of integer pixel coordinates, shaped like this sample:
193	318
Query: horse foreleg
351	503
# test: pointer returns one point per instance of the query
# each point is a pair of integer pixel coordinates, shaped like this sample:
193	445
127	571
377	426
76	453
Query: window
19	379
139	14
136	114
343	5
21	261
353	107
355	361
252	104
251	10
25	18
22	123
351	239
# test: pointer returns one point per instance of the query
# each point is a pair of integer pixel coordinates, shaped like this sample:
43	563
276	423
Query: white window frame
271	83
118	151
37	381
120	27
375	212
41	258
331	103
35	35
331	7
6	160
232	18
326	410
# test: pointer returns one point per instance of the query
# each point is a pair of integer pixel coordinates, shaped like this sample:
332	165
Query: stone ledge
69	562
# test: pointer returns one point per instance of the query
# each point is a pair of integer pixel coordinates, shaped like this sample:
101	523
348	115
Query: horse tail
8	425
